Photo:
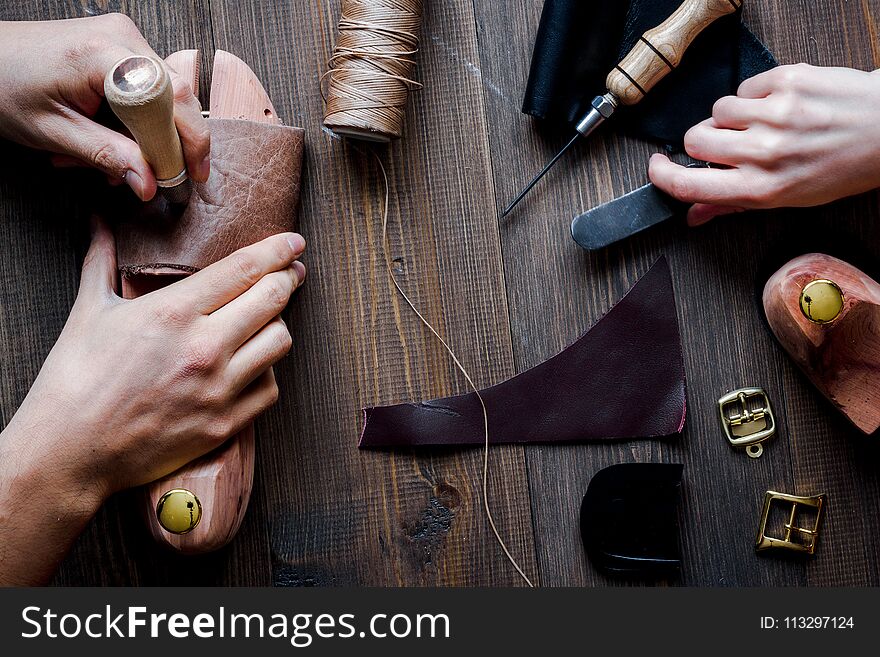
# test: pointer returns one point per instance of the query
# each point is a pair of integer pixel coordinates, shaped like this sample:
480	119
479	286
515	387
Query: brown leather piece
623	379
252	193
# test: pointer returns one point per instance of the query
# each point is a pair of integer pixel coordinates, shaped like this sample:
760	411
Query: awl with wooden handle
138	89
656	54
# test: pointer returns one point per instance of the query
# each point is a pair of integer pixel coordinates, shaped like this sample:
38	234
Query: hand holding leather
794	136
253	192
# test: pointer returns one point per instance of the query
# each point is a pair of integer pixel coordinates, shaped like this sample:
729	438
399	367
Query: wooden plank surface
507	294
717	273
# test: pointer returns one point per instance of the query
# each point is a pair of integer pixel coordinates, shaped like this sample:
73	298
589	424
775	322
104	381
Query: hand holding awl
657	52
138	90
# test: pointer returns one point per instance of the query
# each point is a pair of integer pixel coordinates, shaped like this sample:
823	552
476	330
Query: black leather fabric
579	41
575	48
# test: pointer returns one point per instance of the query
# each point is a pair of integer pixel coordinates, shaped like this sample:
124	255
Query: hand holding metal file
138	89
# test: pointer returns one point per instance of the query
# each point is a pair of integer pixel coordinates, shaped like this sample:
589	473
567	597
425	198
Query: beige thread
369	80
458	365
369	76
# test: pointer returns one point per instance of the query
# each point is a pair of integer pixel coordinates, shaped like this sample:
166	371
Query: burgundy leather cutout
252	193
623	379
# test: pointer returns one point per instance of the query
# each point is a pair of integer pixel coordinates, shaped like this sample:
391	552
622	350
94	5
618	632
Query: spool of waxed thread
370	72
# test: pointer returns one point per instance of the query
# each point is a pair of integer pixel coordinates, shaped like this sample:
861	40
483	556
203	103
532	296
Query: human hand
52	77
134	389
794	136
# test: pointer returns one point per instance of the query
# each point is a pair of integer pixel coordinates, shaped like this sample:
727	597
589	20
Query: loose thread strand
460	367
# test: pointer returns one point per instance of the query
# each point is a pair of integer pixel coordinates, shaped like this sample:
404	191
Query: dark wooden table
507	294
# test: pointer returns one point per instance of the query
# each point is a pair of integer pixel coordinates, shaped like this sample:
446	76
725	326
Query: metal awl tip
539	176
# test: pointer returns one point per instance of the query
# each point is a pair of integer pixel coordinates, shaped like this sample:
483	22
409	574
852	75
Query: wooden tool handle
660	49
139	91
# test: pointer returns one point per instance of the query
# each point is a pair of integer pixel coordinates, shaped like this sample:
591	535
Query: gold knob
179	511
821	301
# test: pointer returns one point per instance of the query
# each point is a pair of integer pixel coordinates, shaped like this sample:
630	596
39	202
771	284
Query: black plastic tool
629	519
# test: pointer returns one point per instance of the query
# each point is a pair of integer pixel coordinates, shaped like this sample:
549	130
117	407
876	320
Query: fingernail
133	180
297	243
300	270
204	168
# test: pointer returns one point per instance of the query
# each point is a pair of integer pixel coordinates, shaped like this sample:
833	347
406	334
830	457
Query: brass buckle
743	425
764	542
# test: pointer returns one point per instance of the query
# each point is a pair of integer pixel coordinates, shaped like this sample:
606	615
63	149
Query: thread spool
370	71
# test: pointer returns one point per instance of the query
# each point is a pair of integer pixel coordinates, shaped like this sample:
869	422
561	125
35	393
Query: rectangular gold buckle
744	425
764	542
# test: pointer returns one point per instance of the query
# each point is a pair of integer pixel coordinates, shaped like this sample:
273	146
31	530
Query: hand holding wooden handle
138	89
660	49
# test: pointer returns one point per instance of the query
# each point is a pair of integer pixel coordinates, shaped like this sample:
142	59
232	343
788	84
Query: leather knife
626	215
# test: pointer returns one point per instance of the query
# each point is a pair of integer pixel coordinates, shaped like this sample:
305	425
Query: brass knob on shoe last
179	511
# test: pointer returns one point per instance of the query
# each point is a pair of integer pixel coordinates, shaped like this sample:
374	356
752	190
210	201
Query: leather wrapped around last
623	379
252	193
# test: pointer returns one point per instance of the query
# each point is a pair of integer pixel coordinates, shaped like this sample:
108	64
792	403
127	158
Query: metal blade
540	175
623	217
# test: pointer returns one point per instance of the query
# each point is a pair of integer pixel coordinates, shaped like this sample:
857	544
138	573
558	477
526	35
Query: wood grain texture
508	294
236	93
407	518
221	481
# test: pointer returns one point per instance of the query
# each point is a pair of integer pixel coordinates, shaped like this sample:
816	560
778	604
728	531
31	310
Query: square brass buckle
744	425
810	536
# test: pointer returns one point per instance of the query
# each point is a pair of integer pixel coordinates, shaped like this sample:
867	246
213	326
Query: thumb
702	213
195	136
113	153
98	280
